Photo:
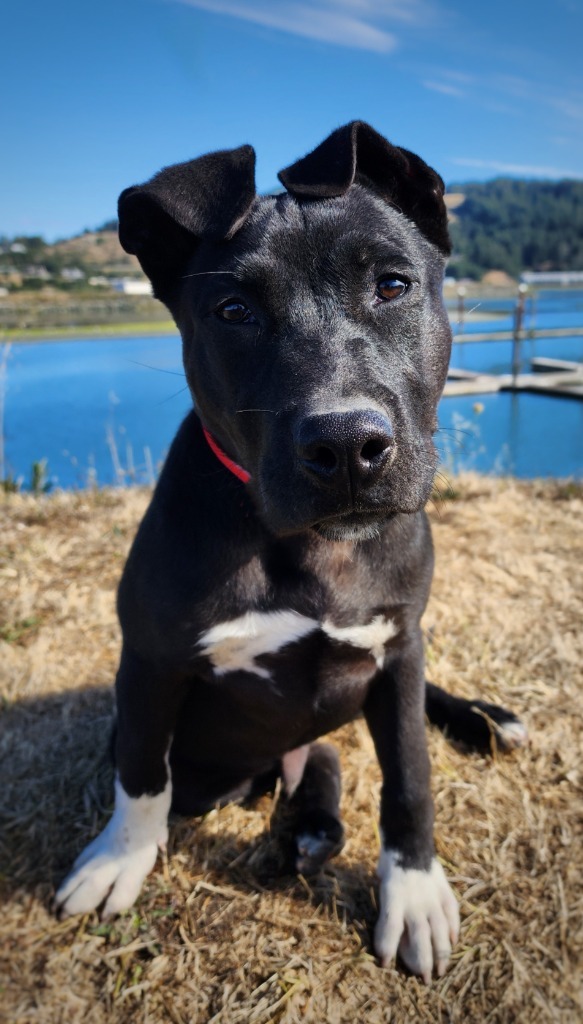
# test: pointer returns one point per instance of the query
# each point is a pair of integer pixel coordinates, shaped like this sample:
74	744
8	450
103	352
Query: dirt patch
219	934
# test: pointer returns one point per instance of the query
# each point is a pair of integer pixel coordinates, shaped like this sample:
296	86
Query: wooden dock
557	377
508	335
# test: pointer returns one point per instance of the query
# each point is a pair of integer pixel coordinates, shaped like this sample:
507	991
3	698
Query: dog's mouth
290	502
354	526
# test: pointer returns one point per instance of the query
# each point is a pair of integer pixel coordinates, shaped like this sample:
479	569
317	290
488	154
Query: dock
547	376
557	377
528	335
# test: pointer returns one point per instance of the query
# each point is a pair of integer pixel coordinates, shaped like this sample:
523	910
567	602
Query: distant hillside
514	225
94	259
77	283
507	225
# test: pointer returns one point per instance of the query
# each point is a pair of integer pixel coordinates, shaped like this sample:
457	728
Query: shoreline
472	313
96	332
90	332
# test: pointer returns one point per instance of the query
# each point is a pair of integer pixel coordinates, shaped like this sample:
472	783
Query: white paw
114	866
104	867
513	734
419	917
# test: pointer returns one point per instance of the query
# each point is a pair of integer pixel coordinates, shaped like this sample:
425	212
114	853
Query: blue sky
99	94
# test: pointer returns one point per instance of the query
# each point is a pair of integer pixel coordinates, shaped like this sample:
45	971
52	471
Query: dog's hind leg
312	780
474	724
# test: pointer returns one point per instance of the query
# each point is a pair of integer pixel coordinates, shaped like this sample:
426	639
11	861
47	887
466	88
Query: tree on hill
515	225
108	225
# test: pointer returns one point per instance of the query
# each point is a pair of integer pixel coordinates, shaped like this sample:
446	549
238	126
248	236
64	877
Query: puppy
276	584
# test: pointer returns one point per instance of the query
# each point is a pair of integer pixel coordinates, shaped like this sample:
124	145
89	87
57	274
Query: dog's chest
261	642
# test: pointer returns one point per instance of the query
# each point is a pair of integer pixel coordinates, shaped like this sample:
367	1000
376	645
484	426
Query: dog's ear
356	153
162	221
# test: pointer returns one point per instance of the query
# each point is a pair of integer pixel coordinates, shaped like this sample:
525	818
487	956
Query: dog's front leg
419	917
114	866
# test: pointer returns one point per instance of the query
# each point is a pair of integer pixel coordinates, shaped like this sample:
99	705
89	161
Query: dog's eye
235	313
389	288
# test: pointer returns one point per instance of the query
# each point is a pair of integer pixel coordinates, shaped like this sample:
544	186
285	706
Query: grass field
97	331
219	934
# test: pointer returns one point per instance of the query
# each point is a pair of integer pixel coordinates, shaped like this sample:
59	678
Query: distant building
131	286
72	274
38	273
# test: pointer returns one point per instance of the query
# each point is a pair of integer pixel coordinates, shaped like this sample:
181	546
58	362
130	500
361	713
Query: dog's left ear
162	221
356	153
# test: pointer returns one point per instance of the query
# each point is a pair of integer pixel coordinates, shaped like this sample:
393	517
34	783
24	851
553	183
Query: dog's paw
110	869
504	729
419	917
484	727
114	865
320	836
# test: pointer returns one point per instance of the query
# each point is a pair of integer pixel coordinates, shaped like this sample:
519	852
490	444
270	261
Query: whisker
205	273
452	430
160	369
442	477
170	397
431	501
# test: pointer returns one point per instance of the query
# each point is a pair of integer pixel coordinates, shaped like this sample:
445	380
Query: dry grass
218	934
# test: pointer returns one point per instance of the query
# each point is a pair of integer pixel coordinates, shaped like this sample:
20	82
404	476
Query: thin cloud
492	92
526	170
571	106
352	23
457	76
517	87
445	88
412	12
436	73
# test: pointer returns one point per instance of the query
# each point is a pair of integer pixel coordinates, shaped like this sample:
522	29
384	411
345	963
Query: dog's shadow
57	790
56	782
264	862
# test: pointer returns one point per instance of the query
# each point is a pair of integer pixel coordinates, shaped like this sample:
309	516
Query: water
521	434
549	309
64	399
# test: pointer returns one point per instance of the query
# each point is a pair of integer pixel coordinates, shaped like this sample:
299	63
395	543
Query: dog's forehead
282	231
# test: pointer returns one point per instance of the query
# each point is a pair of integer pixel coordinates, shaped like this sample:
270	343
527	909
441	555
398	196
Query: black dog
275	587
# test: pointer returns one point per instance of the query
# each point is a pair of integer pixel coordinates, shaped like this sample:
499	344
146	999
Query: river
82	405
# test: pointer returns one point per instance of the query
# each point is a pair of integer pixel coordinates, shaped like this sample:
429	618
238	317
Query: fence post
461	311
517	331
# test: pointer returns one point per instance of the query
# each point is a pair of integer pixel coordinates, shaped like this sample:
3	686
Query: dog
275	586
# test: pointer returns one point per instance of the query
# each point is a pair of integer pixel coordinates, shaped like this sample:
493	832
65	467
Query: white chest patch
371	637
233	646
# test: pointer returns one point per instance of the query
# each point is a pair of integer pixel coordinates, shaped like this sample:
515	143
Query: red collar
222	456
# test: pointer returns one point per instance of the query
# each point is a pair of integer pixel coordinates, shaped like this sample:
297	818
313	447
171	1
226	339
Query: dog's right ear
162	221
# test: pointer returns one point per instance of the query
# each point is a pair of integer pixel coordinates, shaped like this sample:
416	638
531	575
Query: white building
131	286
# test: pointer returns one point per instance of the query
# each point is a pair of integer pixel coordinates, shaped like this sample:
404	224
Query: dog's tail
473	724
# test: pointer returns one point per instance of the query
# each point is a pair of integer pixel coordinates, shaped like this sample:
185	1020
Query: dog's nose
338	448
